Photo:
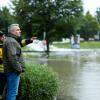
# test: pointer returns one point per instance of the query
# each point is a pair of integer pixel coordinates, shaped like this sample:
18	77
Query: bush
39	82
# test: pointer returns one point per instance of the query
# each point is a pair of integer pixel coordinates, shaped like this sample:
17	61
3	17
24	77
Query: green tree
98	17
5	19
70	22
54	17
98	14
90	26
74	16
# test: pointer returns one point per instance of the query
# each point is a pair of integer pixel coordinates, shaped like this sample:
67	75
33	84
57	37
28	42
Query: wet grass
62	45
90	45
83	45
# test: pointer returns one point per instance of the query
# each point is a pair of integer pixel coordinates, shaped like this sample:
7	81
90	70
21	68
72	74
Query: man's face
2	38
16	31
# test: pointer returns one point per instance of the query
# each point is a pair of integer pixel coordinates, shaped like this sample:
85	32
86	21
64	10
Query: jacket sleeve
25	42
13	57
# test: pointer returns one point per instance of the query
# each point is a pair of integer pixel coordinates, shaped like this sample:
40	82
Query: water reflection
90	81
79	73
80	76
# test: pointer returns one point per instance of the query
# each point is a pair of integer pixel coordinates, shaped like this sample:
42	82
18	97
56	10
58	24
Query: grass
90	45
83	45
62	45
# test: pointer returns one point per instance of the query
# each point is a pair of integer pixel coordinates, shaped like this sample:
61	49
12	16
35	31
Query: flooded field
79	73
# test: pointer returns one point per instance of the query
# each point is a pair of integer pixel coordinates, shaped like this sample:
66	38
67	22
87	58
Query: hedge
38	82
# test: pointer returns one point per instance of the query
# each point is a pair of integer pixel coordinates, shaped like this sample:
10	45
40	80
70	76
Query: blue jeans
12	85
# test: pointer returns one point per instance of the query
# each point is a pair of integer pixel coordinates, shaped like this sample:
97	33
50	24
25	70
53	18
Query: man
2	75
13	60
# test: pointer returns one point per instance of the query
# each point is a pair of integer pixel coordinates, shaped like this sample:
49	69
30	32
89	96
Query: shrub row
39	82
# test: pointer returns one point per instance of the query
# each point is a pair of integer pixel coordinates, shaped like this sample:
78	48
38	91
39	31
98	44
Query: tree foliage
37	16
55	17
5	19
98	14
90	26
98	17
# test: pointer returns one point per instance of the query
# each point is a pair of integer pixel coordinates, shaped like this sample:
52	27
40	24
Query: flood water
79	73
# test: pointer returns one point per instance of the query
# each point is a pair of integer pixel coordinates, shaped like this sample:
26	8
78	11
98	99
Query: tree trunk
47	42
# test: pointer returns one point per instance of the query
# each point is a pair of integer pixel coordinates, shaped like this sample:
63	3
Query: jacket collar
18	39
13	36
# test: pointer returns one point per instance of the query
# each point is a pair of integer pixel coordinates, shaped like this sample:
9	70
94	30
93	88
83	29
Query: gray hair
11	27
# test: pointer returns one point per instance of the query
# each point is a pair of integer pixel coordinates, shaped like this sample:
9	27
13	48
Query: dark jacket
1	62
12	55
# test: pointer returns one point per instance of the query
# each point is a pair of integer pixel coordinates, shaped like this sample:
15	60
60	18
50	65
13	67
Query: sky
89	5
4	2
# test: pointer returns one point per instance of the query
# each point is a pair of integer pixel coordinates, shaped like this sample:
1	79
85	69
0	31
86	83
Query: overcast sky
90	5
4	2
